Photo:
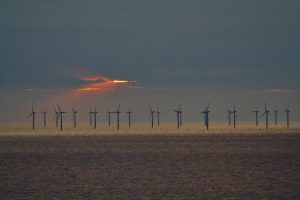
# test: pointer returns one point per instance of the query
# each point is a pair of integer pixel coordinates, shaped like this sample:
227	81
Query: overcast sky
171	51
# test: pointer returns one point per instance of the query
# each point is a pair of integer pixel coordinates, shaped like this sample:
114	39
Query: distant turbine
33	114
256	116
118	116
91	116
287	111
229	112
179	117
158	114
266	113
206	118
129	112
95	116
108	115
44	117
61	117
234	111
275	116
56	115
74	117
151	115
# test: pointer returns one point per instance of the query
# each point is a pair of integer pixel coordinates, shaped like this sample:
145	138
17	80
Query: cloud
277	90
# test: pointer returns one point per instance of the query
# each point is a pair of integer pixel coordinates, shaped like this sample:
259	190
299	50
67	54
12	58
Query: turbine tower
33	114
229	112
287	111
266	113
129	112
74	117
61	116
56	115
151	115
179	117
95	116
275	116
256	116
206	118
91	116
157	114
234	111
118	116
108	115
44	117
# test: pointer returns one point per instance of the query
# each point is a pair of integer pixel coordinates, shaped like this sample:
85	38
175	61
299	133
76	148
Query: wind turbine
74	117
229	112
44	117
56	115
95	116
33	114
118	117
256	116
206	118
61	117
266	113
151	115
108	115
287	111
129	112
91	116
178	114
234	111
275	116
157	114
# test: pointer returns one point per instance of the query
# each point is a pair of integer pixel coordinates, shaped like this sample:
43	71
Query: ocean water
145	163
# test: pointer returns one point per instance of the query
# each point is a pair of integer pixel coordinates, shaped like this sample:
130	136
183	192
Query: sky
165	52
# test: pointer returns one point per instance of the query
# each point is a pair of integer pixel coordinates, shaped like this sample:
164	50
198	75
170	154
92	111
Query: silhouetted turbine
256	116
33	114
229	112
118	116
275	116
108	115
129	116
287	111
234	111
266	113
206	118
61	117
56	115
179	117
74	118
95	116
158	114
151	115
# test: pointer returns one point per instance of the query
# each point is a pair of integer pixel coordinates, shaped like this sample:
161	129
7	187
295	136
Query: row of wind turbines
154	113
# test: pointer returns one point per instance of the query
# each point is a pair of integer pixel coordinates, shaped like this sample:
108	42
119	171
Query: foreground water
164	166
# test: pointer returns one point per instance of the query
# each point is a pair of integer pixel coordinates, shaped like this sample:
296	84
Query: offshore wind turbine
158	114
61	117
56	115
234	111
118	116
108	115
266	113
275	115
129	112
178	114
95	116
44	118
206	118
91	116
33	114
256	111
229	112
151	115
287	111
74	118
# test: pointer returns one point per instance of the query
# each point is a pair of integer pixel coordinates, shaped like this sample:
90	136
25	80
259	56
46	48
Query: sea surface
49	164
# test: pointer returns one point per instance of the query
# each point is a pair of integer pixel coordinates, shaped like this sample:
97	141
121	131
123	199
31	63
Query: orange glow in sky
101	83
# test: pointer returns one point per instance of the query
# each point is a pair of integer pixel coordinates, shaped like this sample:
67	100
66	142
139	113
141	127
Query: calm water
150	167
